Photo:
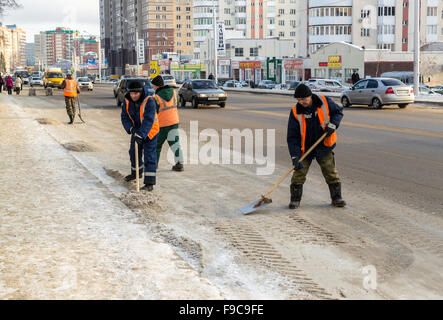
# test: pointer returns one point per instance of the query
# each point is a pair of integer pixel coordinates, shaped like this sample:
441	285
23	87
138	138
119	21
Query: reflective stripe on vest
323	117
167	111
155	126
71	88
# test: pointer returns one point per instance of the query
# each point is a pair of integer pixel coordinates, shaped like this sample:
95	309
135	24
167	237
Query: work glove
330	129
138	138
295	162
131	131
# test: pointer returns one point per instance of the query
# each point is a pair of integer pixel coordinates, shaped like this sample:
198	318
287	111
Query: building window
281	34
239	52
365	32
432	11
253	52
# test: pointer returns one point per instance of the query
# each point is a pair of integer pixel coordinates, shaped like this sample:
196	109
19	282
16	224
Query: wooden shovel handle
293	167
137	178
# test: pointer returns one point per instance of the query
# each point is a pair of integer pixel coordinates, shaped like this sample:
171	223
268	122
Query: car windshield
83	80
392	82
145	83
35	78
204	85
55	75
168	78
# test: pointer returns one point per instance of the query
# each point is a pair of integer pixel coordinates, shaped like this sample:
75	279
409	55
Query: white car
325	85
169	80
85	82
36	81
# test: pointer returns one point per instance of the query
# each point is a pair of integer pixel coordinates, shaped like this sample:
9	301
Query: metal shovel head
255	206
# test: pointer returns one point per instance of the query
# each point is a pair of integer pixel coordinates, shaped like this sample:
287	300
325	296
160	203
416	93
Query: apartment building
13	46
84	47
373	24
55	46
184	28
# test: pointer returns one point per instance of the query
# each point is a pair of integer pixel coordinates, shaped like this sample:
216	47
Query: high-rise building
85	48
184	28
30	54
13	46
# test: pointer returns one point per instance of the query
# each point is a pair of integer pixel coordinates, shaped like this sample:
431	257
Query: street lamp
136	39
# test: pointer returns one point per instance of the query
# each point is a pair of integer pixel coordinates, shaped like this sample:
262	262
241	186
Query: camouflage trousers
327	165
70	106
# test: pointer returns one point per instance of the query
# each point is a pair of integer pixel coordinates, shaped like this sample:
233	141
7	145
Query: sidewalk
64	235
434	100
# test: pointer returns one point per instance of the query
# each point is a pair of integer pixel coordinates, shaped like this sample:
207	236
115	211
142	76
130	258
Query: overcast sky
42	15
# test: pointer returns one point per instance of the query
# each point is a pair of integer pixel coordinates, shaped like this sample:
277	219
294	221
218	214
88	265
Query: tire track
255	248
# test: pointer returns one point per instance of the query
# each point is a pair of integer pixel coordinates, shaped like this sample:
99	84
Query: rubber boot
178	167
335	190
147	187
296	193
71	118
133	177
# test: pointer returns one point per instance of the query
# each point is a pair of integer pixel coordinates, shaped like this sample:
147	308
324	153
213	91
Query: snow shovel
79	110
137	178
265	200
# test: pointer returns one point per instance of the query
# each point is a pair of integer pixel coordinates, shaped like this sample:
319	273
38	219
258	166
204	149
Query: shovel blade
253	207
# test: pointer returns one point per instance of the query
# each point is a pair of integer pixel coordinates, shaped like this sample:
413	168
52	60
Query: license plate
212	98
403	92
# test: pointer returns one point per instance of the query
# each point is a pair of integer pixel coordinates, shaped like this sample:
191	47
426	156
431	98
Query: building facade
12	47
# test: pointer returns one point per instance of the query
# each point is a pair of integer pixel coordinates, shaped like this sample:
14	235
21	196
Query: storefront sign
235	65
221	45
224	62
293	64
322	64
250	65
334	62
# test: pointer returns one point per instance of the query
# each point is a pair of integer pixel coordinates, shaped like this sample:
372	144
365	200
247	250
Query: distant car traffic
325	85
232	84
293	84
201	92
123	85
85	83
169	80
266	84
36	81
377	92
426	90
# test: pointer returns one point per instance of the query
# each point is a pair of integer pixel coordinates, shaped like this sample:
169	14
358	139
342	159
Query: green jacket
166	93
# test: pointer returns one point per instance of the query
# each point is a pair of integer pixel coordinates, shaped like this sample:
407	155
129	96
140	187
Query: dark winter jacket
313	128
355	78
166	93
141	128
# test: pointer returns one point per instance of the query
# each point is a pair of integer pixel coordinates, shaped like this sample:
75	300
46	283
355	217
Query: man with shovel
308	121
71	90
140	120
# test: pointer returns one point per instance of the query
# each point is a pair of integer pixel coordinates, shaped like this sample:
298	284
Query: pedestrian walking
9	84
2	82
308	121
166	106
211	77
355	77
71	91
18	85
140	120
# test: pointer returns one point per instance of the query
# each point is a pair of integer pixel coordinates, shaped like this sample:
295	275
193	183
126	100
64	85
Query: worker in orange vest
140	120
308	121
71	90
166	101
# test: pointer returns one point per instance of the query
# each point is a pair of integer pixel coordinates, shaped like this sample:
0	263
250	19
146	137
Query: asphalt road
394	153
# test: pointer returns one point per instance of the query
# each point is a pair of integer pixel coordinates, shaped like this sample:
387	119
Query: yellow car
53	79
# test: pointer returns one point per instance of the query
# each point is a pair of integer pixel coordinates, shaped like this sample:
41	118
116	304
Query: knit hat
158	81
302	91
135	86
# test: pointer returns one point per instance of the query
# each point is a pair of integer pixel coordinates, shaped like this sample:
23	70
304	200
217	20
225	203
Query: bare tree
428	66
8	4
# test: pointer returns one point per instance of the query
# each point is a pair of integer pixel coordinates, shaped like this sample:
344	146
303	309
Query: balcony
386	38
319	21
240	3
330	38
323	3
240	14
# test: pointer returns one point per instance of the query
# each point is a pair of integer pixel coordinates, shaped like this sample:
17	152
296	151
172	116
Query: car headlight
202	95
222	95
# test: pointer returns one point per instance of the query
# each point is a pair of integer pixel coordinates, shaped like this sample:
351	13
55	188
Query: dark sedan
121	90
201	92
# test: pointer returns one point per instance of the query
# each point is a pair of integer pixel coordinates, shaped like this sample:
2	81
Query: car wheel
376	103
182	101
402	105
345	102
194	103
222	105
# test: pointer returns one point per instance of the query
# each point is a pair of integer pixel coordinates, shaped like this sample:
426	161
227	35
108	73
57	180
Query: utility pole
215	42
417	47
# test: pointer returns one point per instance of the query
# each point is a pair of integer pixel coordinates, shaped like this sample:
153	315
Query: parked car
115	89
232	84
281	86
123	85
438	89
293	84
426	90
266	84
201	92
325	85
36	81
169	80
377	92
85	83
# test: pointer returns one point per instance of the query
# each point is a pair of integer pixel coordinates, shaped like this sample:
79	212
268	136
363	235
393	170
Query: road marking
356	124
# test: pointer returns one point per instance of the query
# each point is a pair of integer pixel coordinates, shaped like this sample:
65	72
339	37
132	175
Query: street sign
221	45
155	69
141	51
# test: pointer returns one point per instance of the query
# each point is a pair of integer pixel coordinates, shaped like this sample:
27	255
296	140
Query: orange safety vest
71	88
155	126
167	111
323	117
